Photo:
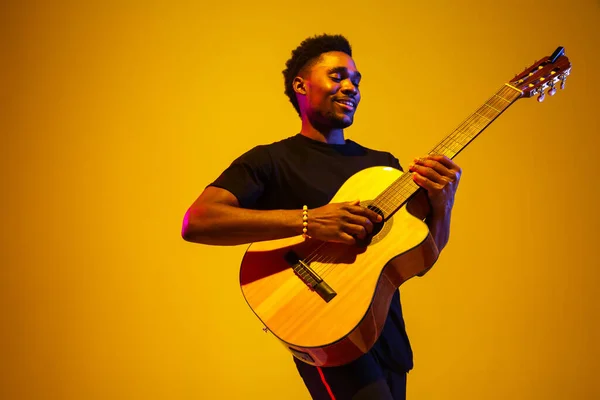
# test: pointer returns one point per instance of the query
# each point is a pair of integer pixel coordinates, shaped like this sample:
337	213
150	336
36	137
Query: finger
437	166
365	212
358	231
453	170
426	183
446	161
430	174
361	220
344	238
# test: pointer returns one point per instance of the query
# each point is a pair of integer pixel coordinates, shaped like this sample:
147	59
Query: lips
346	104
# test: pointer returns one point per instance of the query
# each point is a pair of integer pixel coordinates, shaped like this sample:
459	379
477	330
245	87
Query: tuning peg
542	96
552	90
562	81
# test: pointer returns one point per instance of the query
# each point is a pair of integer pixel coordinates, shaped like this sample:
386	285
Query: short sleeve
394	162
247	176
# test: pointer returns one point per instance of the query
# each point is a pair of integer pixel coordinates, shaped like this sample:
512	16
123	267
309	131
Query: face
329	91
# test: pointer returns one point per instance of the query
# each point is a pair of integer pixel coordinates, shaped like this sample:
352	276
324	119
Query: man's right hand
341	222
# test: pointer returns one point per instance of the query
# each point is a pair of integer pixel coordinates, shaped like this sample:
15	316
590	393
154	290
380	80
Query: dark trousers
366	380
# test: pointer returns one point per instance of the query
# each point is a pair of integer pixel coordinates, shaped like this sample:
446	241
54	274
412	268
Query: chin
343	122
336	121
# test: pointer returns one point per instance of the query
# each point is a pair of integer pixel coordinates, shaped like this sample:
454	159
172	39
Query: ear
299	85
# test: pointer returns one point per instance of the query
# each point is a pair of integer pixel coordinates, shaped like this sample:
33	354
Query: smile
347	104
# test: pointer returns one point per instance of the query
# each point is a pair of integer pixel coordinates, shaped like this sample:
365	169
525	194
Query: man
262	194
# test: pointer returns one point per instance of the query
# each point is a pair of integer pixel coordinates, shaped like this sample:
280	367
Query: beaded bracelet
305	222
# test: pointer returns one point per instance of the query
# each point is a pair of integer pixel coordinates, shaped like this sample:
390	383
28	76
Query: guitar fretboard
391	199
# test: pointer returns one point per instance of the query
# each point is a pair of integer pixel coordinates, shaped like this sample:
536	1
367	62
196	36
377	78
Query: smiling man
261	196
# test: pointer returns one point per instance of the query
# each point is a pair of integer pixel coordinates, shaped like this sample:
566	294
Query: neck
322	134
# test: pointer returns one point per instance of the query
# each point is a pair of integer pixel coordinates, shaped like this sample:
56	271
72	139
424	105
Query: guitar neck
394	197
477	122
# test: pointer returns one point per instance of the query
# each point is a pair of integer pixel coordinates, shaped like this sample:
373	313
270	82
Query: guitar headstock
544	74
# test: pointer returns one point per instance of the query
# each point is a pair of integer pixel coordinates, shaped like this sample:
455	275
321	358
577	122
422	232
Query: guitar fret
485	104
509	86
483	116
487	112
454	146
500	97
497	106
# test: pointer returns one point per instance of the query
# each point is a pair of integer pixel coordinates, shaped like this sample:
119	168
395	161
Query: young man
261	196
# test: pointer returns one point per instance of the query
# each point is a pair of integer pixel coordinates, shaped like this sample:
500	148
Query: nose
348	87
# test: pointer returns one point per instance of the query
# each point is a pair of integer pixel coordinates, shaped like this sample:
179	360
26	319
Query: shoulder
272	151
265	156
267	148
384	157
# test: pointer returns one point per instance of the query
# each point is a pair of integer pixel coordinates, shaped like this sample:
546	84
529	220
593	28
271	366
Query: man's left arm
439	176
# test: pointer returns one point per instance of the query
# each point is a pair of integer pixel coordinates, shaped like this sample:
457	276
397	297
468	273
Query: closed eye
338	79
338	74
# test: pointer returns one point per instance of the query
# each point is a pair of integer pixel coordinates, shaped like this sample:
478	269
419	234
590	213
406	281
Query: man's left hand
439	176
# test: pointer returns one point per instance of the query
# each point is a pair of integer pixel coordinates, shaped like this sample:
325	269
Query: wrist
439	211
305	222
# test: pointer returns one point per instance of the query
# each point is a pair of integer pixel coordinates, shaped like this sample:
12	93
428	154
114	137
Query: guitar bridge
310	277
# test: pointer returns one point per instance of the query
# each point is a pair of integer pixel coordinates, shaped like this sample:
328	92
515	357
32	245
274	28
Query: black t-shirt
300	171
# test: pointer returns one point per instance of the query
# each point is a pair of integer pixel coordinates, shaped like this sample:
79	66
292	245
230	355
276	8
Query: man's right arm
216	218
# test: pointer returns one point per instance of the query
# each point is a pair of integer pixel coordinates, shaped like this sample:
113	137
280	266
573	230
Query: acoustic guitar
327	302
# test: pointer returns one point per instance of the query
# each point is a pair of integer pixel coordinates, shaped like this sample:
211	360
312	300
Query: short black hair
308	51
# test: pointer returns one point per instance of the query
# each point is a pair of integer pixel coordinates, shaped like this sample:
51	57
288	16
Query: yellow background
115	115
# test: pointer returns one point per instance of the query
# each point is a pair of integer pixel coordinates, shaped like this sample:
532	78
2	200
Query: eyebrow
344	69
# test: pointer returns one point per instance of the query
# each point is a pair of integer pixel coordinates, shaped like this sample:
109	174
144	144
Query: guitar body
364	279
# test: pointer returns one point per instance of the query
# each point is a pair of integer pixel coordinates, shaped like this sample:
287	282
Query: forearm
439	226
221	224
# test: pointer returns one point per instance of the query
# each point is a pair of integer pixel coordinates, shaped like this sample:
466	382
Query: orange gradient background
115	115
